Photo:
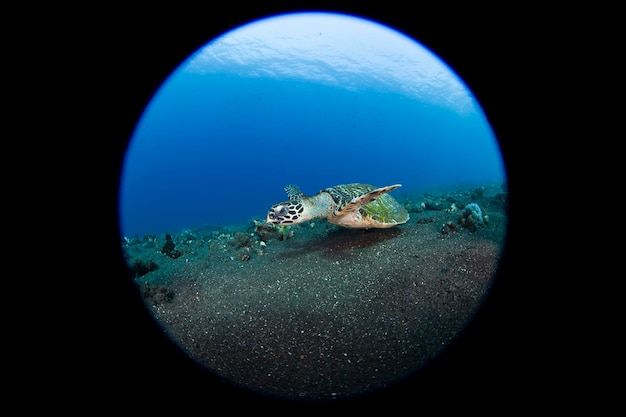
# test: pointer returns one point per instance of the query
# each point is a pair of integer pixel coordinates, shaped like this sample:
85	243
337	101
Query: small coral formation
284	232
169	248
448	227
472	217
414	207
244	254
267	231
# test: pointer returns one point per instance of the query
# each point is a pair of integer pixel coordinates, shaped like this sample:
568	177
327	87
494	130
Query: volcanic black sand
317	311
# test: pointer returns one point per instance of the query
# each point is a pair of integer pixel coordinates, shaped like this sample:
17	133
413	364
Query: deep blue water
218	149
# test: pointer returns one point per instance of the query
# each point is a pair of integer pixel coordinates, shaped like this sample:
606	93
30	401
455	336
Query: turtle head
286	213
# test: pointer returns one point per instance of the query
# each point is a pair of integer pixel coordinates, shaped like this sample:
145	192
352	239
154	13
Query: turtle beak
276	215
271	218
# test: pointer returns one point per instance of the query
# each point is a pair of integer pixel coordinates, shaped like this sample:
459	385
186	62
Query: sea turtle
350	205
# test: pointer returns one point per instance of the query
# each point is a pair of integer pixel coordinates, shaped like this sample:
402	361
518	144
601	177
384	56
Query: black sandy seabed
319	312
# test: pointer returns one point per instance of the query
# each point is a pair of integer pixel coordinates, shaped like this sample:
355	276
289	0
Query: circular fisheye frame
313	206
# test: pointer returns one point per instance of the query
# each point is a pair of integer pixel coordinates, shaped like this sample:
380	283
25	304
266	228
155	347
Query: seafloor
322	312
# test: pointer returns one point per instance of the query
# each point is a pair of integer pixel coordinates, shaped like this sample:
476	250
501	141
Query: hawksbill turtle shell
350	205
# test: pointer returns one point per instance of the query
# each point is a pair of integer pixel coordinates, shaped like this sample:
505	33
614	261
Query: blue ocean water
218	148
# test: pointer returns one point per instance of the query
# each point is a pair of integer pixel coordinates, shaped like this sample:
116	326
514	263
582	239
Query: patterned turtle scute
346	192
382	208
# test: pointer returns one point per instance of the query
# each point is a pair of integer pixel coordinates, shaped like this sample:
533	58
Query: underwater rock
477	193
241	239
433	205
140	268
414	207
425	220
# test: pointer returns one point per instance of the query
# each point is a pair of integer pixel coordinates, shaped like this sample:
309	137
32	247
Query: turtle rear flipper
357	202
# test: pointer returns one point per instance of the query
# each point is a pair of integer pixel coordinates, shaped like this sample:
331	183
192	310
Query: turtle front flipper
357	202
294	193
